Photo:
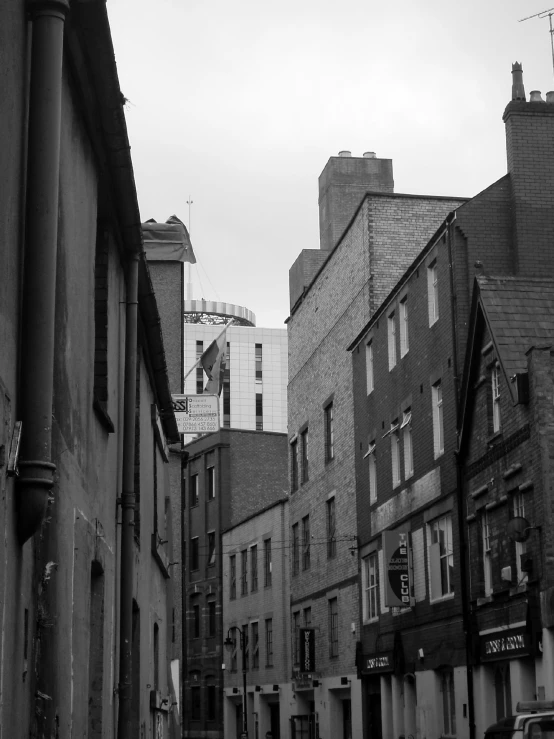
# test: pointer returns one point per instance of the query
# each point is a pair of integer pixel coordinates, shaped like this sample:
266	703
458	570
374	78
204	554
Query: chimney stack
342	186
530	151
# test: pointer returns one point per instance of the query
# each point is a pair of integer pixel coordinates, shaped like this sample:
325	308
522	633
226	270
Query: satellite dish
518	528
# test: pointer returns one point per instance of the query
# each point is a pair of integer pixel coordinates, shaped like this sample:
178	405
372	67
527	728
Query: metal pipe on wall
128	505
36	381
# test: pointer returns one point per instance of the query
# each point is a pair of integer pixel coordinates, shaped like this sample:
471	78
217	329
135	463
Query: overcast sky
238	106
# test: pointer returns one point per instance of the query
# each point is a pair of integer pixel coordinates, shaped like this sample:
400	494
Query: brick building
231	475
256	576
505	450
168	248
333	293
407	364
85	577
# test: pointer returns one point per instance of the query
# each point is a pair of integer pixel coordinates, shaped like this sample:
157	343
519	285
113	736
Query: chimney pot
535	96
369	155
518	90
550	97
345	153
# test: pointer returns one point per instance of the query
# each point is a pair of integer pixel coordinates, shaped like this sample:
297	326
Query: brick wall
530	150
265	602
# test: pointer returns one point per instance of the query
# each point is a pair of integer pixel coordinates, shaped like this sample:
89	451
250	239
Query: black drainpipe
36	471
461	503
124	727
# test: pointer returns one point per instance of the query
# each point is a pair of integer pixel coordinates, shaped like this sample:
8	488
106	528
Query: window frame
211	548
371	589
395	454
304	458
433	291
306	543
232	577
194	554
495	395
372	471
268	566
391	339
407	443
254	568
244	572
269	642
487	552
404	331
212	617
331	521
329	428
333	612
210	482
294	465
255	645
438	418
436	557
295	549
194	492
370	369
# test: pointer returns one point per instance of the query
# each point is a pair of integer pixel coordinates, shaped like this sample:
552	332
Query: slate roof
520	314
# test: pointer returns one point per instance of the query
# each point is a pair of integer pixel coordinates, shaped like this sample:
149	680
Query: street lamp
230	643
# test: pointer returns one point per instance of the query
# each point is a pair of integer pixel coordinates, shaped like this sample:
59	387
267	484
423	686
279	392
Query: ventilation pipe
36	471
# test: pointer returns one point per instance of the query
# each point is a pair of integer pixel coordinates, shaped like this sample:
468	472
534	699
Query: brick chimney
342	185
530	151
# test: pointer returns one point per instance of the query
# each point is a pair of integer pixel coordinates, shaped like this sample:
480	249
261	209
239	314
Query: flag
213	361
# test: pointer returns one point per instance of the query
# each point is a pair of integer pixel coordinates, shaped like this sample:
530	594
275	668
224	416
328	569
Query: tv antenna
190	201
544	14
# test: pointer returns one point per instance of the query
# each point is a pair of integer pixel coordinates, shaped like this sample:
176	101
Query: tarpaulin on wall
169	241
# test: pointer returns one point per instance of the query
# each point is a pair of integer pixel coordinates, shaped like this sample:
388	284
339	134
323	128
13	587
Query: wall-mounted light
275	687
258	689
344	681
315	683
235	690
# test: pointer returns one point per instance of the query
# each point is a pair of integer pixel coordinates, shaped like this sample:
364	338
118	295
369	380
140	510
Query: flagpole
195	365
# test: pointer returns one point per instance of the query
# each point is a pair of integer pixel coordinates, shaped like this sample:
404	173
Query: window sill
494	437
369	621
441	599
484	600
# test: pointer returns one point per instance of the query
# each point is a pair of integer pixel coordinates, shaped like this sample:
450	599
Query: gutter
36	380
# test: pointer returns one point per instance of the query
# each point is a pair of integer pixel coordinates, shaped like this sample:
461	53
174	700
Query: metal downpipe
124	727
39	285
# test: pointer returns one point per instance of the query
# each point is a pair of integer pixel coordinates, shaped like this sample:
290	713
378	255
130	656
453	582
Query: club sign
307	650
397	568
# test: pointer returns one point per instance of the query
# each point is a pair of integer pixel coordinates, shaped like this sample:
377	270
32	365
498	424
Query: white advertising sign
196	414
